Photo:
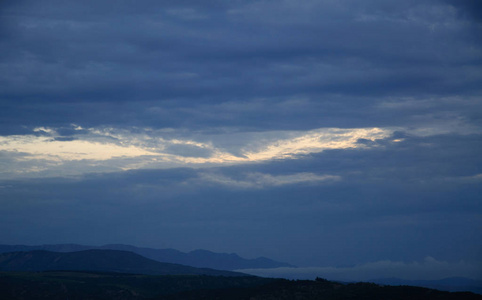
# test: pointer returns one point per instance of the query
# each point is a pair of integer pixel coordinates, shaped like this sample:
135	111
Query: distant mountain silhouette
99	261
196	258
453	284
202	258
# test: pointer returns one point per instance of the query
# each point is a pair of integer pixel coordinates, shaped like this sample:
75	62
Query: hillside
98	260
87	285
55	285
454	284
322	289
196	258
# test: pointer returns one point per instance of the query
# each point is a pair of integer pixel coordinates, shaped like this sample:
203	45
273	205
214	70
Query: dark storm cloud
146	65
468	8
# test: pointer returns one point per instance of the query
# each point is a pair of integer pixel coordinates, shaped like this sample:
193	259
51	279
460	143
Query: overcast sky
320	133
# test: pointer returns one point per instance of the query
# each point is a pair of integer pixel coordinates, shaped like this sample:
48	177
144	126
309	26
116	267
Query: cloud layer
244	64
321	133
108	149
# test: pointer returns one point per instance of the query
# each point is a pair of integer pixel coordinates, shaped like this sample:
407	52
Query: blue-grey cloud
468	8
398	201
93	64
244	126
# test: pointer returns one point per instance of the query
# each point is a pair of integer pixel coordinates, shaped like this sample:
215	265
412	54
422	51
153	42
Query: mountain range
131	259
117	274
196	258
99	260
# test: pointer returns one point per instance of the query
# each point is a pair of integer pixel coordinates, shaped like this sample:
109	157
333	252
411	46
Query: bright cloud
110	149
316	141
49	149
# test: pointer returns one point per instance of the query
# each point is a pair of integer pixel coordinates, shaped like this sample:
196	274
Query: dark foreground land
87	285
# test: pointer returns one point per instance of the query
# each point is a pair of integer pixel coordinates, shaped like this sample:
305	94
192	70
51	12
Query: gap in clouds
105	149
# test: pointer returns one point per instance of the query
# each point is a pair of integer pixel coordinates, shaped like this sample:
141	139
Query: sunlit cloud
108	149
316	141
47	148
43	129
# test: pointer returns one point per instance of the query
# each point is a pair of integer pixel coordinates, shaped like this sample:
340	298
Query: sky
327	134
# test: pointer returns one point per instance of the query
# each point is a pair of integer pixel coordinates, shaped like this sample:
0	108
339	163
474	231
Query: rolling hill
453	284
196	258
118	286
98	260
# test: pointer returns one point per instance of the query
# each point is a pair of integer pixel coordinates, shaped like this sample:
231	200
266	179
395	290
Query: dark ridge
196	258
98	260
118	286
452	284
